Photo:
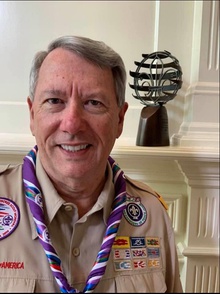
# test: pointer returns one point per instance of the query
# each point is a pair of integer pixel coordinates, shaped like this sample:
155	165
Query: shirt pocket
17	285
152	282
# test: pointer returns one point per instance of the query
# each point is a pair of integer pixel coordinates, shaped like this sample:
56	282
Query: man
71	221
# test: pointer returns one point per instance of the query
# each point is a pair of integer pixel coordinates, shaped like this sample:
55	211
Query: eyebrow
58	93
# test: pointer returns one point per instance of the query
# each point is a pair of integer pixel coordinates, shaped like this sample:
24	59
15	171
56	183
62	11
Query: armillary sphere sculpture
157	79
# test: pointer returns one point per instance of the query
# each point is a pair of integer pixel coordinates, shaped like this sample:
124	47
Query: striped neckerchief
34	199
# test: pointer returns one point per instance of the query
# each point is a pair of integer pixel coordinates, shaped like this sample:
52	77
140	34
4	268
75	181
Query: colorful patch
137	241
139	264
135	213
122	265
139	252
121	242
153	252
153	263
152	242
9	217
136	253
121	253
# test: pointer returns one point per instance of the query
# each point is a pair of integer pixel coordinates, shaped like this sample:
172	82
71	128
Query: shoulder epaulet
160	198
145	187
3	168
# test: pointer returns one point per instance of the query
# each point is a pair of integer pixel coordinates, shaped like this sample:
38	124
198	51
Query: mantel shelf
20	144
169	152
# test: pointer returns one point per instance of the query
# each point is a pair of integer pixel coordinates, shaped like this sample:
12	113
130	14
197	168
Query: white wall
28	26
188	29
130	27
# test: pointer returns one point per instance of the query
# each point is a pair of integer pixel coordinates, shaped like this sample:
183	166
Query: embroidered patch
153	252
139	252
121	242
137	241
152	242
122	265
122	253
136	253
139	264
135	212
9	217
153	263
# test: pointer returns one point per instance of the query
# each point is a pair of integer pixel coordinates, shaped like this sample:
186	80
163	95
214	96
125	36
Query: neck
83	194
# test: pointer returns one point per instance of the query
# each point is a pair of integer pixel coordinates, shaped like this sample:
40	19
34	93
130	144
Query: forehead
65	69
63	59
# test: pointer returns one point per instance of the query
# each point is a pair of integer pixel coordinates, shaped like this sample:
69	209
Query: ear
121	116
31	114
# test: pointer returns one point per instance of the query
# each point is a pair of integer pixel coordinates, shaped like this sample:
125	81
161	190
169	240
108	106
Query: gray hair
95	51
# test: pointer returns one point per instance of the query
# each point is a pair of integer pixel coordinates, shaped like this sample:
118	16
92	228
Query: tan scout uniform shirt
145	263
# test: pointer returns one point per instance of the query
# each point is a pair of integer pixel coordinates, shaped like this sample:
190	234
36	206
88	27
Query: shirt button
76	252
68	208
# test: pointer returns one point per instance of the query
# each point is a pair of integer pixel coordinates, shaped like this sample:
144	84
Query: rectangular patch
139	264
123	265
137	242
121	242
153	262
121	253
152	242
153	252
138	252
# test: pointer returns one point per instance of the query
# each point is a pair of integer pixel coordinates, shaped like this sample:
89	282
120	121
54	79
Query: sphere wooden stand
153	127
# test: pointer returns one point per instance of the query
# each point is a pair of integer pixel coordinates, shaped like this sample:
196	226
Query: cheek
107	128
43	126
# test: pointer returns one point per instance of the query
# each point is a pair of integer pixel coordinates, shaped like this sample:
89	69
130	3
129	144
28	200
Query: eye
54	101
93	103
94	106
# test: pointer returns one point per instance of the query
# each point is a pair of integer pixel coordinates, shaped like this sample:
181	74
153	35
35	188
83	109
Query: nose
73	118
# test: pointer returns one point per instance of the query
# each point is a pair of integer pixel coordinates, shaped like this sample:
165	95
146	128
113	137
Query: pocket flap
152	282
15	285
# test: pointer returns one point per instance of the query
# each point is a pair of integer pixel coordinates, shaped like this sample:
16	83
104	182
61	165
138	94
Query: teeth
74	148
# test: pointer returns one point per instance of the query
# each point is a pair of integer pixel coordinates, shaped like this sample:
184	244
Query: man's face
74	116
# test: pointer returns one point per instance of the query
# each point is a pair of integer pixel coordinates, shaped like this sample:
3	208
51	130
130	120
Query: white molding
195	131
13	143
16	143
175	210
201	251
203	88
201	129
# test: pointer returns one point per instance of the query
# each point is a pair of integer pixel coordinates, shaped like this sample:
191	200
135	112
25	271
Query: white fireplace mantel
188	179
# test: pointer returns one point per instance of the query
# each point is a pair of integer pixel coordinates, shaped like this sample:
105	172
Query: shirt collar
48	189
106	197
104	200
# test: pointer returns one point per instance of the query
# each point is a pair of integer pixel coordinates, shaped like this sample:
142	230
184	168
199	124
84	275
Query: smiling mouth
74	148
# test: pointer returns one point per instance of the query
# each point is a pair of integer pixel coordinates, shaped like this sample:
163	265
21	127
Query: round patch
9	217
135	214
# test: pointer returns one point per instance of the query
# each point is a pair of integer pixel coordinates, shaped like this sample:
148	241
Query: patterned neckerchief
34	199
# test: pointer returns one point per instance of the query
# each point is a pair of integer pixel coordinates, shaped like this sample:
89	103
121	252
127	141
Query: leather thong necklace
34	199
